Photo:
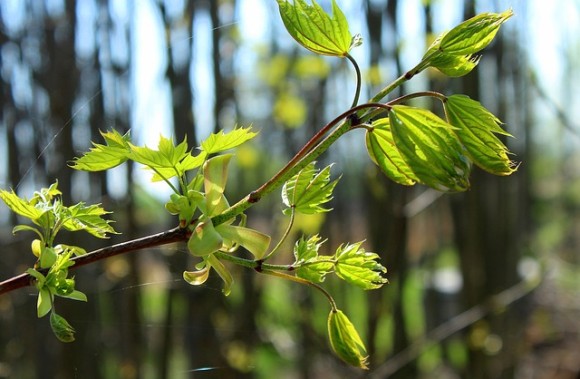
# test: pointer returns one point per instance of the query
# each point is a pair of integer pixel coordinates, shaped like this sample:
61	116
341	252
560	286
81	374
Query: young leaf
20	206
430	148
168	160
44	302
315	30
215	173
358	267
309	265
61	328
455	65
221	141
476	128
222	271
308	190
345	340
88	218
196	278
104	157
475	34
255	242
384	153
204	240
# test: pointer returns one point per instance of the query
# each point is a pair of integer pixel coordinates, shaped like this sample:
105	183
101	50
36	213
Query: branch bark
159	239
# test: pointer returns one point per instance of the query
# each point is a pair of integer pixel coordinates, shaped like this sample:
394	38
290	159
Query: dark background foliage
483	284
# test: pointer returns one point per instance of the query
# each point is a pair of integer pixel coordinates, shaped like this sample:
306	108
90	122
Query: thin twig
163	238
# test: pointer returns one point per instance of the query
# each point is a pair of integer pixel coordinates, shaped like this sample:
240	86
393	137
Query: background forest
483	284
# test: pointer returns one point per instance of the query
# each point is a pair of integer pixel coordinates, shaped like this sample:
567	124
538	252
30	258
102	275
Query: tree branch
163	238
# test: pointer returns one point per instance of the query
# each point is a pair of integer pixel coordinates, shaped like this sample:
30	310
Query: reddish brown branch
163	238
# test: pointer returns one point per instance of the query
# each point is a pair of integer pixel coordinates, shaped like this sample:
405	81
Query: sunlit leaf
309	265
222	141
103	157
308	190
345	340
20	206
358	267
477	128
430	148
254	241
61	328
215	173
474	34
315	30
384	153
455	65
88	218
75	295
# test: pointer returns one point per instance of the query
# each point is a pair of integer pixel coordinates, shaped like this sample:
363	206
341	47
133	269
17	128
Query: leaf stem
284	236
305	282
358	79
415	95
400	80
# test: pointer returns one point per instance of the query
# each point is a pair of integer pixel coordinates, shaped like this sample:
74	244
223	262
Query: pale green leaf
430	147
61	328
196	278
255	242
222	141
222	271
345	340
477	128
358	267
315	30
384	153
308	190
204	240
103	157
215	173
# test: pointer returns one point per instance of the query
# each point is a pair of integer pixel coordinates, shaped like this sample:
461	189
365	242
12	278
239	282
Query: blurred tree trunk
487	221
385	200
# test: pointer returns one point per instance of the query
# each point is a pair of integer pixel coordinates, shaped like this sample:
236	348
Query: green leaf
204	240
215	173
308	190
309	265
104	157
455	65
430	147
221	141
384	153
358	267
345	340
315	30
168	160
61	328
475	34
255	242
88	218
20	206
75	295
477	128
44	302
